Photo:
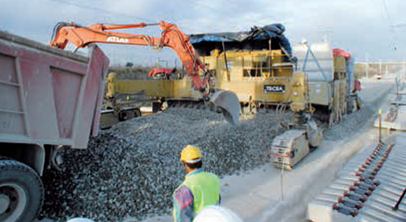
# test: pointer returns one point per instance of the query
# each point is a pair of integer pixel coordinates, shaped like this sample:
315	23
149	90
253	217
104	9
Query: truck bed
49	96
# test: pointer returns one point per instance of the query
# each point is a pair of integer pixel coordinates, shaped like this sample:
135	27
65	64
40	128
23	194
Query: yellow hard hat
190	154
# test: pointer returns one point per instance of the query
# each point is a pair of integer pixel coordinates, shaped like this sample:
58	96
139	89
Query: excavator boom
171	36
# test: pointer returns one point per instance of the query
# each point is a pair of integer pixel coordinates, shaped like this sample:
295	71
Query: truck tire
21	192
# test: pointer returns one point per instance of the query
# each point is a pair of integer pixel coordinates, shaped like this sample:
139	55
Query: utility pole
404	74
326	34
399	25
405	70
366	66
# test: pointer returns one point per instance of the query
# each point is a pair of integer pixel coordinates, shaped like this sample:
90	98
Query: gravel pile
350	124
132	169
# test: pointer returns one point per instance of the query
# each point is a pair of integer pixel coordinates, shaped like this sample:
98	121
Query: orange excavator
172	37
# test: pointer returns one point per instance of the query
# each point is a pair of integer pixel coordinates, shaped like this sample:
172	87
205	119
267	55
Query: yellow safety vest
205	188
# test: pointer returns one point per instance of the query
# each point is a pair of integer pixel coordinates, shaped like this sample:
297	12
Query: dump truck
49	99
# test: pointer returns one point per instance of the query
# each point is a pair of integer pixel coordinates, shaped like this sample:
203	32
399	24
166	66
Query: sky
370	29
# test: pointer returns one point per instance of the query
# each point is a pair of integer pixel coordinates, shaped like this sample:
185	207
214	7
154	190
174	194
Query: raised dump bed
48	98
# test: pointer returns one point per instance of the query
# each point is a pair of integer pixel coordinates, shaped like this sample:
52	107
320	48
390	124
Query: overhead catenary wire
87	7
391	27
92	8
218	10
123	14
385	7
399	25
199	3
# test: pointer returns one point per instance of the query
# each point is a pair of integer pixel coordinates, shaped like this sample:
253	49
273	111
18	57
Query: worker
199	189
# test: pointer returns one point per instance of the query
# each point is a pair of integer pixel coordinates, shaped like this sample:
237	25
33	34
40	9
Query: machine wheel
165	106
253	108
125	115
245	109
358	102
352	105
137	113
249	109
241	108
21	192
331	119
156	107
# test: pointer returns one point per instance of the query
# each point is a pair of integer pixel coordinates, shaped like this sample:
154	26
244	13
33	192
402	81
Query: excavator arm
171	36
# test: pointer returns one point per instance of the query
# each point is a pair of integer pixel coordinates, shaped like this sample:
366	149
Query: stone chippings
132	169
350	124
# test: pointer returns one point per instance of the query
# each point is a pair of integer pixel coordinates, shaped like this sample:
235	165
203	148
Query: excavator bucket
228	103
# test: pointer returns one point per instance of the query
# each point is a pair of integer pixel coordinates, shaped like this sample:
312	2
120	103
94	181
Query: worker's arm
183	204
